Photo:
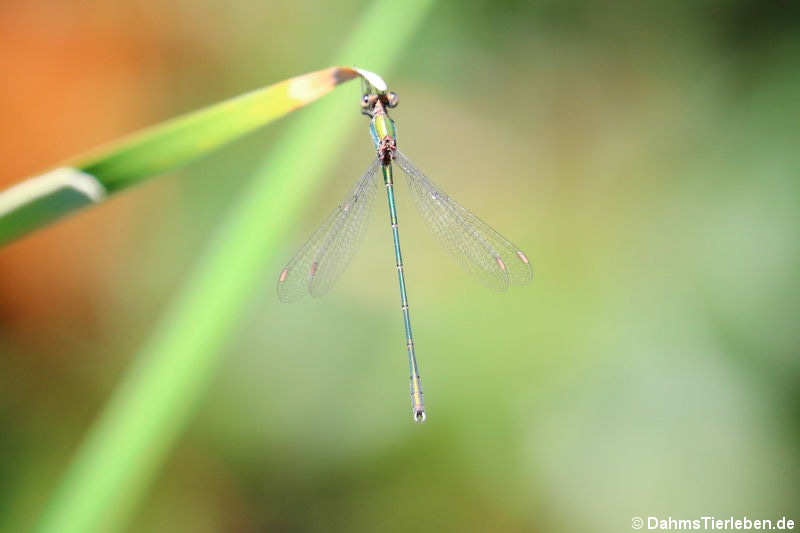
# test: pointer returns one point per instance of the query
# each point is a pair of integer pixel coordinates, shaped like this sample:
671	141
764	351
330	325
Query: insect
481	250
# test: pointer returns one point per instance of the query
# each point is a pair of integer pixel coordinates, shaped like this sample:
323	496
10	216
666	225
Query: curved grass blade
481	250
179	140
321	261
42	199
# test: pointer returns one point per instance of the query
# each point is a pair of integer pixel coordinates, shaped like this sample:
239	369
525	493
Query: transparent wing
483	252
321	261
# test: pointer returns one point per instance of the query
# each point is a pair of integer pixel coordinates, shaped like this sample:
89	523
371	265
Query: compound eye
391	99
365	100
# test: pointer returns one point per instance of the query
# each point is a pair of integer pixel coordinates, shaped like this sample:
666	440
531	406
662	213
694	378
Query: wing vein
480	249
326	254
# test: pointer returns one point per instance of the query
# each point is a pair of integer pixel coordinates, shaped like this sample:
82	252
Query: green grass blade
148	411
90	178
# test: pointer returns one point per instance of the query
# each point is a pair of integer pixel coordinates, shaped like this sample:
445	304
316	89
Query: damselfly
492	258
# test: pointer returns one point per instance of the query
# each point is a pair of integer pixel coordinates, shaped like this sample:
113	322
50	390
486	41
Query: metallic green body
382	128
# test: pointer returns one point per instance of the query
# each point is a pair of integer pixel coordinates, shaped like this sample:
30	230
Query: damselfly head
372	103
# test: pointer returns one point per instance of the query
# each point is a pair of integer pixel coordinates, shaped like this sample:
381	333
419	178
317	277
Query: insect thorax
381	126
382	130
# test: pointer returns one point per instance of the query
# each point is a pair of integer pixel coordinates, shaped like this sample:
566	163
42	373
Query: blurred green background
644	155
